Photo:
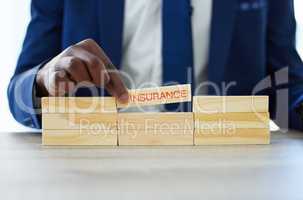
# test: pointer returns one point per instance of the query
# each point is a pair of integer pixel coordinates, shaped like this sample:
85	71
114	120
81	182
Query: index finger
115	86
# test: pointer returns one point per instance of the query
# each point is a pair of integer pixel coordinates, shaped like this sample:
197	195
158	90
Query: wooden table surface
30	171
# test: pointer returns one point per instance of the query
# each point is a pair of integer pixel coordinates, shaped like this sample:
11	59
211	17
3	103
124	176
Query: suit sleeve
282	54
42	42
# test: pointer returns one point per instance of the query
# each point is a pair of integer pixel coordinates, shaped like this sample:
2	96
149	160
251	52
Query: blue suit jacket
250	40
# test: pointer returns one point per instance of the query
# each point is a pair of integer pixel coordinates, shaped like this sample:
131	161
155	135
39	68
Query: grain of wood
79	137
226	104
78	105
74	121
155	137
155	121
231	136
232	120
95	121
260	117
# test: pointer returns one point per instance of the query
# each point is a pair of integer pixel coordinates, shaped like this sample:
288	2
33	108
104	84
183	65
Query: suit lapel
110	18
221	34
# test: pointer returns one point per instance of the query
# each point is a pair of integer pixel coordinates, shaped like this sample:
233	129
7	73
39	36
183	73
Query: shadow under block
227	104
79	121
155	128
158	95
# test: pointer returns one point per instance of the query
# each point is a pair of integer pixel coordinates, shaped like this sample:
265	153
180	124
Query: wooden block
155	137
262	116
78	105
159	95
231	120
225	104
155	121
79	121
79	137
231	136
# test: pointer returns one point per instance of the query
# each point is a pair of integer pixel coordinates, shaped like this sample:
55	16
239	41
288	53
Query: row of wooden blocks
96	121
231	120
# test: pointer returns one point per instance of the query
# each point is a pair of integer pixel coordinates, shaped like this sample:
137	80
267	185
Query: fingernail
124	98
106	78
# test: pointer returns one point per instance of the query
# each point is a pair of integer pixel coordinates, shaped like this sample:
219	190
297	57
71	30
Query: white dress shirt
142	42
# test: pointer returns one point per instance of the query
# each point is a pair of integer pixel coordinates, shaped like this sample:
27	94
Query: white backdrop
14	16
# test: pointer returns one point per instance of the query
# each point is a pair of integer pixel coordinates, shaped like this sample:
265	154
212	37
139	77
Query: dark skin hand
84	62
